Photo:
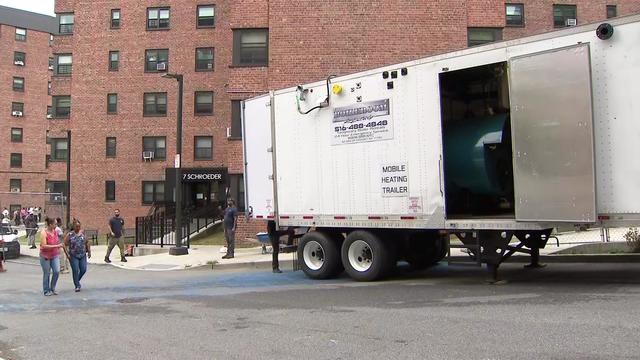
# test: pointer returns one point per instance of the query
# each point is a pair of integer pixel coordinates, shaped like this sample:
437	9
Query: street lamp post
178	249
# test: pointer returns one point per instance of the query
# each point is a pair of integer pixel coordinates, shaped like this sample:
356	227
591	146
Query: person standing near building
230	222
116	224
50	257
5	212
31	227
79	251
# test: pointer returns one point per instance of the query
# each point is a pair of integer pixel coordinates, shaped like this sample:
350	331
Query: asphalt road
565	311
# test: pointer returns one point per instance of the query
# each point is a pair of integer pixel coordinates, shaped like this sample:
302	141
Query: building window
115	18
155	104
66	24
203	148
156	145
114	60
61	106
565	15
18	84
17	106
515	14
16	160
612	11
111	147
48	88
155	57
158	18
479	36
203	102
65	62
19	58
56	188
15	185
21	34
206	16
250	47
112	103
51	60
204	59
110	190
49	112
152	191
16	135
236	189
59	149
236	120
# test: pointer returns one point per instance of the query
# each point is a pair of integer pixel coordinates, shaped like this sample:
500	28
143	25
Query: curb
250	265
266	264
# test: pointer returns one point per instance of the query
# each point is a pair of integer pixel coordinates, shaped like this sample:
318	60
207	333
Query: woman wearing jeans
50	257
79	251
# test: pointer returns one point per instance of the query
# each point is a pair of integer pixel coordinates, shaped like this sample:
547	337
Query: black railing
158	227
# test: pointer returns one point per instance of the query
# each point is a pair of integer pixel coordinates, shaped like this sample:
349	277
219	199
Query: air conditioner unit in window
572	22
161	67
51	67
19	62
49	116
17	113
147	155
228	132
15	189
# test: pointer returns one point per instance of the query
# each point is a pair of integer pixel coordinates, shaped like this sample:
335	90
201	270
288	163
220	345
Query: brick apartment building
123	113
25	49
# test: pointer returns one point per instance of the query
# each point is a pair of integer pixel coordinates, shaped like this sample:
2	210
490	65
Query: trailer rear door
258	165
552	132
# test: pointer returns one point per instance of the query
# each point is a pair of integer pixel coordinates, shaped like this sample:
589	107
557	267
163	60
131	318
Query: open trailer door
552	133
258	160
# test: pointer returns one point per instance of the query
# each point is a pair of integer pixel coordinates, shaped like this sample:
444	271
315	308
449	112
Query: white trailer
492	143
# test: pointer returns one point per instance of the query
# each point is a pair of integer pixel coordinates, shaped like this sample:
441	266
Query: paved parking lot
565	311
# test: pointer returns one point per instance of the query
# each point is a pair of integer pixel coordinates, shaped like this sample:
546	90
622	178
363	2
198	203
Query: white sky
38	6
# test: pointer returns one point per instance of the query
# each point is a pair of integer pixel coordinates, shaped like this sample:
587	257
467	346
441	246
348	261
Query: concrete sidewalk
198	256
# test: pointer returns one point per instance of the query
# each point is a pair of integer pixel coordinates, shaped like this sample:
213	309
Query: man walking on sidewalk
115	228
31	226
230	221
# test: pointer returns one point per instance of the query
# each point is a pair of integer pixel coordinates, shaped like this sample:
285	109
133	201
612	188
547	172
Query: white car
9	244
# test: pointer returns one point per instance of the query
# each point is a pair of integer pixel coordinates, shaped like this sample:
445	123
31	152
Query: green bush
633	239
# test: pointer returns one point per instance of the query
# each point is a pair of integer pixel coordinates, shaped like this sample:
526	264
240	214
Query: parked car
9	243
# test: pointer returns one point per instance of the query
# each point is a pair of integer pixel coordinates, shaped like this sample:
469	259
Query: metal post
68	217
178	249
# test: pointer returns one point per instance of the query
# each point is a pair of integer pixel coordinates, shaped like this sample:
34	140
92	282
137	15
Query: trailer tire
366	257
319	256
425	251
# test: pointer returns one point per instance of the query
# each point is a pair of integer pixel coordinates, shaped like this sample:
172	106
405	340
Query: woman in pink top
50	257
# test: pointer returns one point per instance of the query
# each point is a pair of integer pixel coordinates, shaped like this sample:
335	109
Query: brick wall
33	122
308	40
539	14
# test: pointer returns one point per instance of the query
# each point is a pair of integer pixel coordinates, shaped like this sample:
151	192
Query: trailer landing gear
494	247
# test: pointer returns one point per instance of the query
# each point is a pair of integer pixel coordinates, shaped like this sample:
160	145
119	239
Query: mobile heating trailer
490	144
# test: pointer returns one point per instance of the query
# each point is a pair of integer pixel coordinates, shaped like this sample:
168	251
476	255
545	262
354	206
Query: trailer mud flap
552	133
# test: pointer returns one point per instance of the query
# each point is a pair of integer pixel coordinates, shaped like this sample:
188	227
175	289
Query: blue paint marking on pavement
204	284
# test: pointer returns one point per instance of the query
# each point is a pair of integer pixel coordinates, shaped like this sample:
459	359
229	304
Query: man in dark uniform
230	223
115	228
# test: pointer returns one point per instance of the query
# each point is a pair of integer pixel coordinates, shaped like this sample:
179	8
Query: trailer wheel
319	256
425	250
366	257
